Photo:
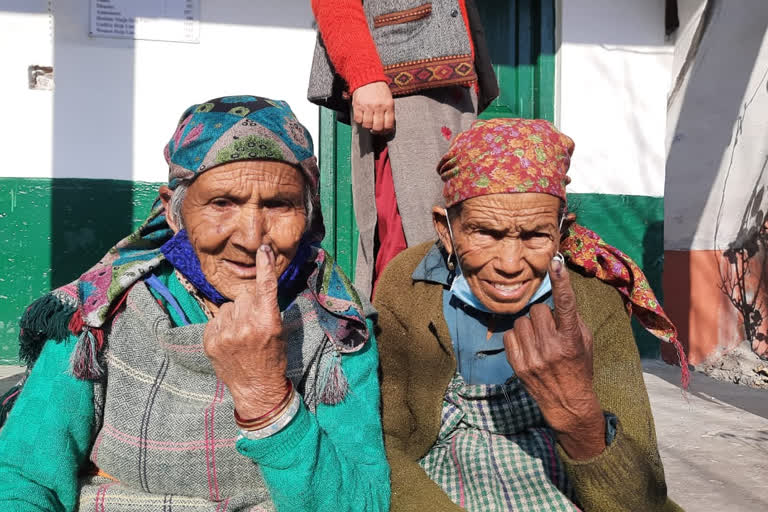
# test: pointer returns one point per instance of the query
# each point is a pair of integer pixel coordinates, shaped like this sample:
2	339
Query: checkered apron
495	453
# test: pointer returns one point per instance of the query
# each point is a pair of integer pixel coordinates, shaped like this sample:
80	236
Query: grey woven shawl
165	428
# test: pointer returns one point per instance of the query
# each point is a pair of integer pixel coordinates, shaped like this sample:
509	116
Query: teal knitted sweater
331	460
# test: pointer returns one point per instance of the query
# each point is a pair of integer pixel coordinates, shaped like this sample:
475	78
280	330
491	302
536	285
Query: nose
510	260
249	230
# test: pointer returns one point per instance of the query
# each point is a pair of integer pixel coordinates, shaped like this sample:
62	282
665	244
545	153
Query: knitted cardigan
417	363
410	44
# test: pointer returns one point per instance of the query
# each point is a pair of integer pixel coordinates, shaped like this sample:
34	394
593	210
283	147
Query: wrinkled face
231	210
505	243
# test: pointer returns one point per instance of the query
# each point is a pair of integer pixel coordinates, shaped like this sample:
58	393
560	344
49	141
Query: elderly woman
510	376
216	359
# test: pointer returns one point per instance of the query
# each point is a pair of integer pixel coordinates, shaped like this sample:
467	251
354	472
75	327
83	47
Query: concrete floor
714	441
9	376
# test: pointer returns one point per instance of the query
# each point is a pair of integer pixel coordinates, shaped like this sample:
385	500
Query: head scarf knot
506	156
238	128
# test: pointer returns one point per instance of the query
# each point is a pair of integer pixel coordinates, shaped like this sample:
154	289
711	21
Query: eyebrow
538	227
270	193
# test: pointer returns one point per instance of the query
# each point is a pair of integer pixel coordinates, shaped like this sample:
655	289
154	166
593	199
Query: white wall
26	38
718	122
615	67
116	102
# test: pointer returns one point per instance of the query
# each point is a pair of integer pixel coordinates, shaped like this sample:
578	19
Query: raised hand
373	107
244	343
552	356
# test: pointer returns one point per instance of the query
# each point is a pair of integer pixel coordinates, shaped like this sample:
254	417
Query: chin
505	309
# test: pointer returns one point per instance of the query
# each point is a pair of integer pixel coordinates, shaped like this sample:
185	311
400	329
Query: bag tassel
84	362
333	382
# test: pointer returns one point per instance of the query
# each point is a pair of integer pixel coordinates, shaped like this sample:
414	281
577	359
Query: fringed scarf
586	251
208	134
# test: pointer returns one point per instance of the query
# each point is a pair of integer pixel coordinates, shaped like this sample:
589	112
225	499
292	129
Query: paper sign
159	20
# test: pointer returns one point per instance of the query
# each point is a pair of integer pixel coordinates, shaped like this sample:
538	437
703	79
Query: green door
521	40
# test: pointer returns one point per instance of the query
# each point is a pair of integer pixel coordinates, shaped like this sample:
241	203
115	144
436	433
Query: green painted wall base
634	224
51	230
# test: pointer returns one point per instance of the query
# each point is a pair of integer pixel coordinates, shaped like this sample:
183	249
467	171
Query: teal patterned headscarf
238	128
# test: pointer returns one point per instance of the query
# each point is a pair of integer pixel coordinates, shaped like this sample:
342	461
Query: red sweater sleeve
348	41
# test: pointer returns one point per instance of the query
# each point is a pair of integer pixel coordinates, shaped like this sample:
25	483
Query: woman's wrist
278	424
585	439
258	399
265	419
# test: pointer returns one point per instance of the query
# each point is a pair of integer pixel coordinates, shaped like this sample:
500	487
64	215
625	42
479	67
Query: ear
440	220
166	194
568	221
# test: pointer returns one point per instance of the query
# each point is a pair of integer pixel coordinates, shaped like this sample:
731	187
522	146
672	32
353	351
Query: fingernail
557	264
265	248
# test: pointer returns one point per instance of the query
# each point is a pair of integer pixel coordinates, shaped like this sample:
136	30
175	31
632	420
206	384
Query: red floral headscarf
505	156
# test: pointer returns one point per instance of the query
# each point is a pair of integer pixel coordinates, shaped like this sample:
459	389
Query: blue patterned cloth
235	128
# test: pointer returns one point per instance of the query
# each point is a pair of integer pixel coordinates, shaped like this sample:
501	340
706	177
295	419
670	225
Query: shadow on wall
712	97
613	27
744	271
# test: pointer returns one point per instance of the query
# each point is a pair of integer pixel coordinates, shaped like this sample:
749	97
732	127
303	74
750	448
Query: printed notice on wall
158	20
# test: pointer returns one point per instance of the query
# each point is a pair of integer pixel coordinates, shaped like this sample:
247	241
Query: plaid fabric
101	494
166	433
494	453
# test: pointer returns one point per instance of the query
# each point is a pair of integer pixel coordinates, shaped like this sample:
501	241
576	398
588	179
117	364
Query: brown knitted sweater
417	363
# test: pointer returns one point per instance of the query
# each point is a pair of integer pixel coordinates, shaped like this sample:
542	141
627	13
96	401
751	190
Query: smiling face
505	243
231	210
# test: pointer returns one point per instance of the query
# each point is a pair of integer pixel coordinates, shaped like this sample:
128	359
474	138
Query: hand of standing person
552	356
374	108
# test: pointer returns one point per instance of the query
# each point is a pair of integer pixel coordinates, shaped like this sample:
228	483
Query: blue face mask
461	290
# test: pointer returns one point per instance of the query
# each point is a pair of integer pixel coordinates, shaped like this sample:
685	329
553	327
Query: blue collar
433	268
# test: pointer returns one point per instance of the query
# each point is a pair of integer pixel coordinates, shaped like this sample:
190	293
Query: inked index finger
566	315
266	278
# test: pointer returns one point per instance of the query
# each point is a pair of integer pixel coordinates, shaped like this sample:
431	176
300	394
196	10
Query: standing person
416	73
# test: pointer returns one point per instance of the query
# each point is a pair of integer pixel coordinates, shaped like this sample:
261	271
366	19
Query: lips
507	292
507	288
242	270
